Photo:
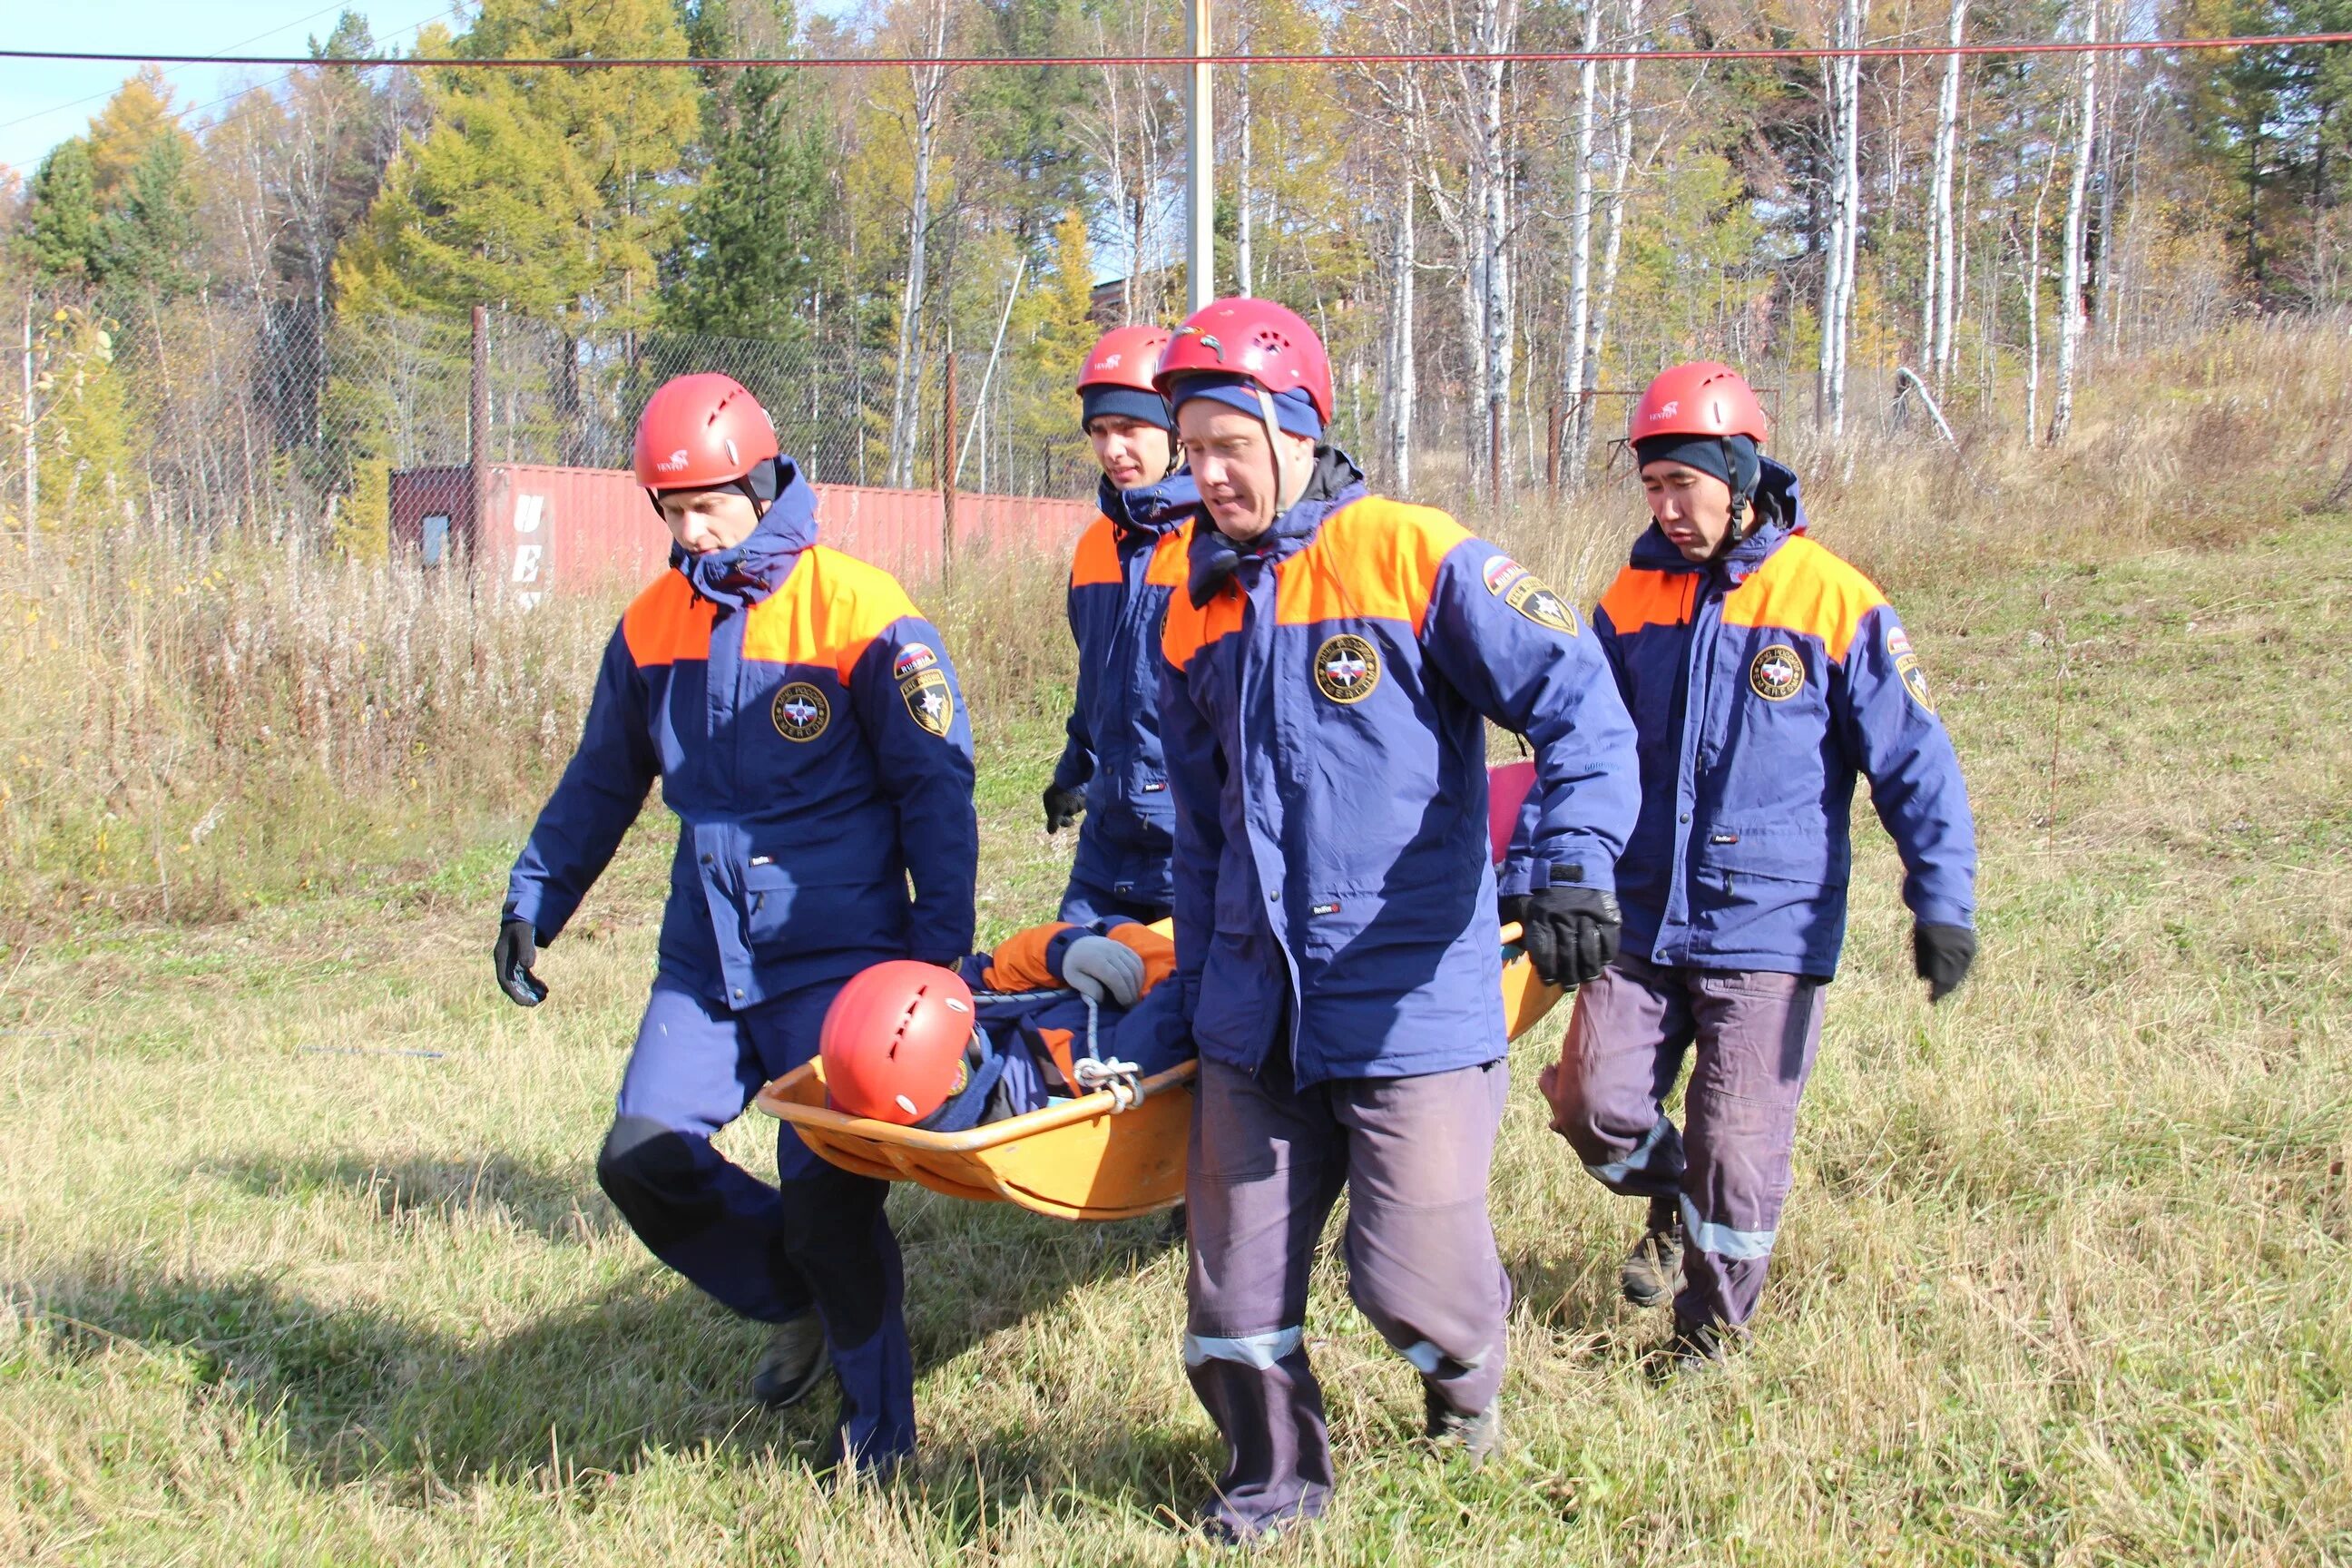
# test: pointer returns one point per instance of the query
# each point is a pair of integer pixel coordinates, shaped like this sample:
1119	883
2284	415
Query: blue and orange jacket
1762	682
1323	701
1128	562
810	735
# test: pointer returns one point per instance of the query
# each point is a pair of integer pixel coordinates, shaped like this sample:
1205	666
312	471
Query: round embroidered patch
1777	674
802	713
1347	668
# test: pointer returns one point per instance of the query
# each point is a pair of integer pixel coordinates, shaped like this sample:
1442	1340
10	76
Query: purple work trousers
1756	1035
1266	1163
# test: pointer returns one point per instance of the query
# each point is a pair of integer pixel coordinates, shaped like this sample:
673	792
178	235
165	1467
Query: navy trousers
819	1238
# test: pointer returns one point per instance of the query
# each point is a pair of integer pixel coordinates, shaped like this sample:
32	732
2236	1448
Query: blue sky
42	102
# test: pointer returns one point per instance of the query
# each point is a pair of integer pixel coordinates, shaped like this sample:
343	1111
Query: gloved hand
1062	807
516	951
1571	933
1511	909
1102	970
1942	955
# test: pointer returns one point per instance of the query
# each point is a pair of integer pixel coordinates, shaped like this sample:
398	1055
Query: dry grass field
304	1261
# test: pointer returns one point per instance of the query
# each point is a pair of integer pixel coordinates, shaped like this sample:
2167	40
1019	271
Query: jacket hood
756	568
1337	481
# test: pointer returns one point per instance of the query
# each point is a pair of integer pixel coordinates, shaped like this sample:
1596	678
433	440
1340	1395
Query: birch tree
930	85
1579	249
1937	298
2074	318
1842	79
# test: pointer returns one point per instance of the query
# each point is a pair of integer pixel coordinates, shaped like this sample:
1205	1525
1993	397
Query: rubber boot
1445	1427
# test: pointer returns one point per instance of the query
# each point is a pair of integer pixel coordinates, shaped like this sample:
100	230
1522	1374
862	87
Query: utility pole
32	452
1200	167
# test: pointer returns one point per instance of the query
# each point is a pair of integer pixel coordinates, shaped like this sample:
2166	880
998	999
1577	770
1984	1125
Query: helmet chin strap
1273	447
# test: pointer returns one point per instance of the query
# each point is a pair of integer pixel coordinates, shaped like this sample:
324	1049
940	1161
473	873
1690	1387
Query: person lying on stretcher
1054	1012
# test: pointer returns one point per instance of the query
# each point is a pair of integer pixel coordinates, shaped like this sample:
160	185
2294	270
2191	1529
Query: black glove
1062	807
1511	909
516	951
1943	955
1571	933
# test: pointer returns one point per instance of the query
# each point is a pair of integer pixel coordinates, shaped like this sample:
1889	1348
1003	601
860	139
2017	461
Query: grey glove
1102	970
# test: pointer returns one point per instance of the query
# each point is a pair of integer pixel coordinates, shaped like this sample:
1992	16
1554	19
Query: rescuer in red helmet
1328	672
808	733
1763	674
1127	562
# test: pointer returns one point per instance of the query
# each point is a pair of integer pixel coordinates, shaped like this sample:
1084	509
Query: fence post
1551	449
478	428
32	452
946	470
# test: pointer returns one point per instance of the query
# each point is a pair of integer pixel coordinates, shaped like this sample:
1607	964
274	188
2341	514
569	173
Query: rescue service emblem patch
912	659
1528	593
1777	674
802	712
931	701
1914	680
1347	668
1898	642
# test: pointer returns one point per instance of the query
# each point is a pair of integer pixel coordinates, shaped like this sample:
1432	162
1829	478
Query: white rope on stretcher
1124	1080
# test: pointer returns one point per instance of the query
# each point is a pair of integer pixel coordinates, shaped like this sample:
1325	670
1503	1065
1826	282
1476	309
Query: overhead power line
1433	57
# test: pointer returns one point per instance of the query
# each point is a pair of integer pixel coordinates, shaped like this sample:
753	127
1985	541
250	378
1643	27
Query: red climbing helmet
1255	338
893	1039
701	431
1124	356
1701	398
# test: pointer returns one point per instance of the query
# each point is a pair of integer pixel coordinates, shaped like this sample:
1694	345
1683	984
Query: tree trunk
1620	158
2075	318
930	85
1844	78
1580	250
1403	389
1500	23
1938	301
1244	269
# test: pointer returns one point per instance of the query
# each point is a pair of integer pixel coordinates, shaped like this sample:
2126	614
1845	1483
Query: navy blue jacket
1762	683
1324	701
809	734
1127	562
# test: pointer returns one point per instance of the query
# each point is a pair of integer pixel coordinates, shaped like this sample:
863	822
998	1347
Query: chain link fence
208	413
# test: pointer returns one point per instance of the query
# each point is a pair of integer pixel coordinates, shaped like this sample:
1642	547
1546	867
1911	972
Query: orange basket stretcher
1112	1155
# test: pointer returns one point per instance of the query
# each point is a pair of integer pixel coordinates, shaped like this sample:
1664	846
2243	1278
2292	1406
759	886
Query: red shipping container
554	530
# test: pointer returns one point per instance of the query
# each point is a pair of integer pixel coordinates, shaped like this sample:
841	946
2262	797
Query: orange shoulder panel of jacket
1641	598
1172	559
1191	628
827	612
1158	952
668	622
1805	589
1018	961
1374	560
1096	559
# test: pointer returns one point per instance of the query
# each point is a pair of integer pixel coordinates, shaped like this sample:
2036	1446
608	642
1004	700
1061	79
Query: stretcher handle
1510	933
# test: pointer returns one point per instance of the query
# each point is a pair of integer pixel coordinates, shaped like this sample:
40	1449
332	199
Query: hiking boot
1652	1271
796	1359
1692	1347
1478	1436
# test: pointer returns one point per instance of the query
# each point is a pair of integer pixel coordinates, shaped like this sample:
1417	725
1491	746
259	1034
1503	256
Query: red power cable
1534	56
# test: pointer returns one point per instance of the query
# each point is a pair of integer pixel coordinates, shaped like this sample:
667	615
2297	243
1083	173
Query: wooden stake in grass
2057	725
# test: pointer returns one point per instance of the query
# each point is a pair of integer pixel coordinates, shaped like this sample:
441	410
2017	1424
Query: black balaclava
1731	458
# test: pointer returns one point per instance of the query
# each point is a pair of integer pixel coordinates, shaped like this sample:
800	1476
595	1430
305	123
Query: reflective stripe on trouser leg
1262	1169
1421	1264
1758	1036
1619	1061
